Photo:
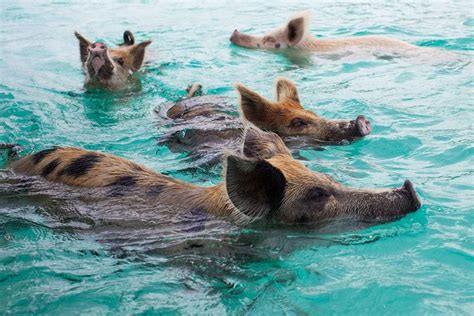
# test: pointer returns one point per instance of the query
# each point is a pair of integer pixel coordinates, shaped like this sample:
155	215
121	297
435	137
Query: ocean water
57	254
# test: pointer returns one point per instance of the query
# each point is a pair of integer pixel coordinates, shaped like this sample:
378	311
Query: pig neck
183	195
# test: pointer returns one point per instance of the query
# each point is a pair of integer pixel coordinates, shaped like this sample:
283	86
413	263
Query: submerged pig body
110	68
203	125
262	183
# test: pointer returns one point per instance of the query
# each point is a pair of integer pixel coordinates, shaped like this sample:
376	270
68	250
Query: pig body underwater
263	182
203	125
110	68
295	33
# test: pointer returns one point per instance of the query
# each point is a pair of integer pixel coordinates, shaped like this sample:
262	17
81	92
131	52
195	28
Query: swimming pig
264	182
204	124
110	68
295	33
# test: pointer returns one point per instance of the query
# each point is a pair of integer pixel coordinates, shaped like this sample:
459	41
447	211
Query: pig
204	124
110	68
262	182
295	33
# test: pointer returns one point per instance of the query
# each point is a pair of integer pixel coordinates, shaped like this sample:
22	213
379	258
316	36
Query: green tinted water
421	113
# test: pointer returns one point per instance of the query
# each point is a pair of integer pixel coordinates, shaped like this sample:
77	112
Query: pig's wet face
288	118
98	64
286	36
111	67
270	184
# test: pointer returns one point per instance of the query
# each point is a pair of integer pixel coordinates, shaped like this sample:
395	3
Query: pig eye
119	61
317	193
298	123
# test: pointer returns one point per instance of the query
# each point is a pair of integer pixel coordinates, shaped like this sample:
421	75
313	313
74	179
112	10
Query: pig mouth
97	62
347	131
334	133
100	67
385	206
339	133
360	127
244	40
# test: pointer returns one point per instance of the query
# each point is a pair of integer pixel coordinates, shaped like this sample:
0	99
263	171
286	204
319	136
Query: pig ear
138	54
128	38
286	90
255	187
262	145
297	27
83	44
255	108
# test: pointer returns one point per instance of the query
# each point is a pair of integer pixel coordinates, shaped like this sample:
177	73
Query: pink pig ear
138	54
297	27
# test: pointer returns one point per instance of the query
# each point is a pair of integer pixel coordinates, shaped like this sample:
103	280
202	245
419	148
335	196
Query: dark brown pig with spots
110	68
264	183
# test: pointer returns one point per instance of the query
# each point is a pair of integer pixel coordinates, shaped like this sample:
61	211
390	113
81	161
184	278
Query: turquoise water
421	113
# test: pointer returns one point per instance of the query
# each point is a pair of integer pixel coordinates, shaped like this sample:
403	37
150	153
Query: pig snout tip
363	125
97	48
408	186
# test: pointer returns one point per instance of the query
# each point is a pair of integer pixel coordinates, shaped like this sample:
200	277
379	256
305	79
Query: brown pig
110	68
263	183
288	118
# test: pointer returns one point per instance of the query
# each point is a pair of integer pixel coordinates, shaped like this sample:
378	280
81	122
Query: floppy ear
138	54
262	145
286	90
255	187
255	108
128	38
83	44
297	27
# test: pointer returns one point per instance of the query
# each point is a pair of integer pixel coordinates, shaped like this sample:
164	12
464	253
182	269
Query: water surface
60	254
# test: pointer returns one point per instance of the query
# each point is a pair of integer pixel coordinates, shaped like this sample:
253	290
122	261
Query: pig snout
415	199
98	54
363	126
97	49
244	40
234	35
